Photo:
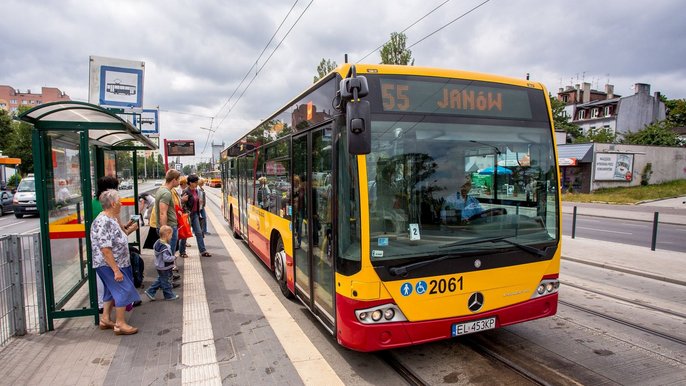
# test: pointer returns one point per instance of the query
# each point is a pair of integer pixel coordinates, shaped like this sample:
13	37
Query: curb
625	218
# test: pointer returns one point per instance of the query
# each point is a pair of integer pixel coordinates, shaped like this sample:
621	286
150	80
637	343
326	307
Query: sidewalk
217	333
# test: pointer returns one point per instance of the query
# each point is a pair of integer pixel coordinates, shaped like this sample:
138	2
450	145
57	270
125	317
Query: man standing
164	206
193	207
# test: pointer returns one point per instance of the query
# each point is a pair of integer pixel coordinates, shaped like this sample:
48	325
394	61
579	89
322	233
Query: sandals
206	254
183	255
125	331
106	325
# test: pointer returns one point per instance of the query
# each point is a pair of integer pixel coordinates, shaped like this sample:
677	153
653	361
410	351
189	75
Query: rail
22	302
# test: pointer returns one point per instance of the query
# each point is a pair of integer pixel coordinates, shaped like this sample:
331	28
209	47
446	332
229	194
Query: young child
164	262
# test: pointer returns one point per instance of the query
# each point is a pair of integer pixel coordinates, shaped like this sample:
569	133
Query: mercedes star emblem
475	302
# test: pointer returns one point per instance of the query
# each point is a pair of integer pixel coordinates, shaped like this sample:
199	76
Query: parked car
126	185
24	201
5	202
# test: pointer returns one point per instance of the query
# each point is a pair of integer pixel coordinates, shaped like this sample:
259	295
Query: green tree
6	128
603	135
18	143
324	67
561	120
394	51
676	112
20	146
657	134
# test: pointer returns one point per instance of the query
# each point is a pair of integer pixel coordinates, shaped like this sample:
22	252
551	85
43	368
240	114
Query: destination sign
455	98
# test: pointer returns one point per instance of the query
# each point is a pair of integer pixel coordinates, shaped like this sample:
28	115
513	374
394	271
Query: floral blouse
106	233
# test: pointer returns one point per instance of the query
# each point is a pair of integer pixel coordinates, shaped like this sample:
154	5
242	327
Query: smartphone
135	218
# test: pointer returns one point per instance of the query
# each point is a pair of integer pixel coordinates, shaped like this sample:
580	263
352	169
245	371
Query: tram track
623	299
492	355
403	371
624	322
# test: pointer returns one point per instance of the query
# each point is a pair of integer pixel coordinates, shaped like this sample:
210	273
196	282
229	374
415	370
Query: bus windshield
437	184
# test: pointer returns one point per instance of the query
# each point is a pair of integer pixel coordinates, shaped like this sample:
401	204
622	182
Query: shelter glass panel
66	213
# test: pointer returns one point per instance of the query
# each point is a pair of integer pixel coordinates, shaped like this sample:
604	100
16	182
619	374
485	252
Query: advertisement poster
614	167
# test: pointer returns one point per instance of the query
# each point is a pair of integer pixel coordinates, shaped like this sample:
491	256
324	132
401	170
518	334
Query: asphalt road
669	236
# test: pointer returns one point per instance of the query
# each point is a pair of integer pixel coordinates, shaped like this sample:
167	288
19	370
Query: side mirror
357	112
358	120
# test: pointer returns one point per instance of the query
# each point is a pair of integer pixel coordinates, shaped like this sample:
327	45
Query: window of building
24	102
13	101
581	114
595	112
565	98
607	111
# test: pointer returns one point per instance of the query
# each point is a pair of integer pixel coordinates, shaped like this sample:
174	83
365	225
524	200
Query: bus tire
280	269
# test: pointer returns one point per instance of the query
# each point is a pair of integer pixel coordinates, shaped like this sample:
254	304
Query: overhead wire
449	23
254	64
267	60
408	27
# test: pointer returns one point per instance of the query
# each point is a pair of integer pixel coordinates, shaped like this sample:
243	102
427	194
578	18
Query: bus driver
462	203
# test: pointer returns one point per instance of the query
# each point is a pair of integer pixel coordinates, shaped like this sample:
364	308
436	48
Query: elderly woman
111	261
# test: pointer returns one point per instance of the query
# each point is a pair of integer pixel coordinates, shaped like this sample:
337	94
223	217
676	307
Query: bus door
312	221
245	190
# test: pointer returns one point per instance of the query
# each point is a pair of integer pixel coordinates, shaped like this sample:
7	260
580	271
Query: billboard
180	148
116	82
613	167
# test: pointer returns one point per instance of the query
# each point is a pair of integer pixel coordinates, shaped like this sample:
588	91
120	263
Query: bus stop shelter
75	143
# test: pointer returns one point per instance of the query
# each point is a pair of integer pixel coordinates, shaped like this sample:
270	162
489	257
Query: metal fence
22	302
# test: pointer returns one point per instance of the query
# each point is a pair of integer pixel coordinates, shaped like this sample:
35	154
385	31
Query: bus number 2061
443	285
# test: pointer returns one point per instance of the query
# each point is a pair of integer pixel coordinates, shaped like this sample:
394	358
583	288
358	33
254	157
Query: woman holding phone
112	263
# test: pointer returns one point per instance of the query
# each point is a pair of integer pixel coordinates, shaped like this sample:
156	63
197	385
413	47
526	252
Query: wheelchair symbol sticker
420	287
406	289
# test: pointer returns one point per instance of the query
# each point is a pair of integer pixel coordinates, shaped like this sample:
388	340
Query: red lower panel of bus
373	337
260	245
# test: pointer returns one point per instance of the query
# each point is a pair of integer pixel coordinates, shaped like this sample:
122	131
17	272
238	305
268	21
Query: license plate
475	326
30	208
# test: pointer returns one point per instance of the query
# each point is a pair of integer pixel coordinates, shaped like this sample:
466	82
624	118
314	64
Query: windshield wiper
404	269
527	248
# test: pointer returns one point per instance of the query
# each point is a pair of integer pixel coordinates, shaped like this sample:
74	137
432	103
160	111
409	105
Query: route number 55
395	96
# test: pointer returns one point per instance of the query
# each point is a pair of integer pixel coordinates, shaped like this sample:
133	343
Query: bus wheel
280	269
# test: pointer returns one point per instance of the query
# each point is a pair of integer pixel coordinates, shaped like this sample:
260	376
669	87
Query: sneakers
176	285
152	298
176	277
173	298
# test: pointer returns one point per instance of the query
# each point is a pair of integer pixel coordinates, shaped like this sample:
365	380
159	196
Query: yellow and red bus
404	205
214	179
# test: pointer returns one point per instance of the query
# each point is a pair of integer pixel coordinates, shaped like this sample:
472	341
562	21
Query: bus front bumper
373	337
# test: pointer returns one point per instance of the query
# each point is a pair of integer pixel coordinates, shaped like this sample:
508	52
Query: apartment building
595	110
11	99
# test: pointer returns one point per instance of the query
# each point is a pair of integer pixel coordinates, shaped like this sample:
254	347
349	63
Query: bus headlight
389	314
385	313
546	287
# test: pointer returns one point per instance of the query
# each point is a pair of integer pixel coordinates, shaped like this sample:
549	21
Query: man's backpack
137	266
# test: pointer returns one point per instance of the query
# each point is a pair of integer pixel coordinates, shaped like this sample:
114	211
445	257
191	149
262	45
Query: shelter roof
102	125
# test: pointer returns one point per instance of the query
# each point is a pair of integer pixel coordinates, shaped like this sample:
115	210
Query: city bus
214	178
404	205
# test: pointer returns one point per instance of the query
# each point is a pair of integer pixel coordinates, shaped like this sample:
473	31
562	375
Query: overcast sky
197	52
